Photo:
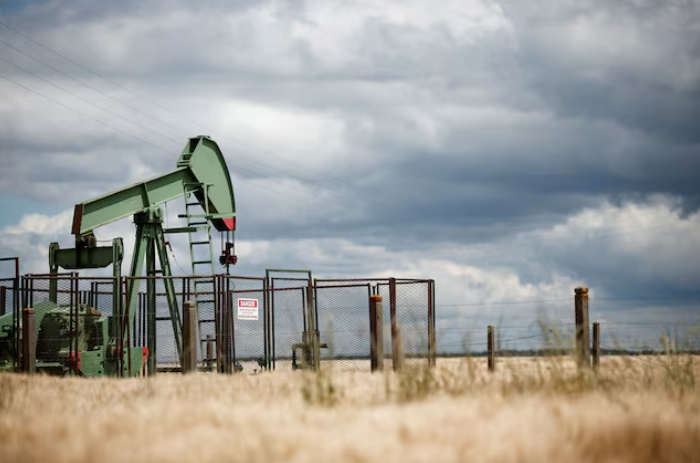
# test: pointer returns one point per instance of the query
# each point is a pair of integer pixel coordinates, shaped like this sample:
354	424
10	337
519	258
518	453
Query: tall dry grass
531	410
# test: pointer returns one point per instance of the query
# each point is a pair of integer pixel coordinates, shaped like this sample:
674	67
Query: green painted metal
72	259
200	164
159	244
126	202
8	344
181	229
199	237
96	346
204	159
77	258
149	244
201	172
151	303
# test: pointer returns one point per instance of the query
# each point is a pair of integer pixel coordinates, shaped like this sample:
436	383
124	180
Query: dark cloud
635	63
456	133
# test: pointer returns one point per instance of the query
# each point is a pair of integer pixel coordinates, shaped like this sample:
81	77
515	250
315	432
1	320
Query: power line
524	301
571	298
647	298
105	124
635	357
81	98
73	62
479	343
80	113
114	128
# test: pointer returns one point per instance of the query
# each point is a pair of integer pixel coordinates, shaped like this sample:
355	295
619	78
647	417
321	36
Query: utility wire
136	137
648	298
80	113
93	88
101	78
524	301
571	298
635	357
479	343
84	99
335	181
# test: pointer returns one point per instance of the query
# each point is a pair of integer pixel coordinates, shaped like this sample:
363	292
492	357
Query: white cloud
313	137
337	33
647	242
651	242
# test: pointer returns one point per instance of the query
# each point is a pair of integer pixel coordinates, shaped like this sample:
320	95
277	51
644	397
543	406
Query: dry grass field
635	409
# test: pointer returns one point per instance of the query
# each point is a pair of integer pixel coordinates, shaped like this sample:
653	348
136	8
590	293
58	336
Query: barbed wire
634	357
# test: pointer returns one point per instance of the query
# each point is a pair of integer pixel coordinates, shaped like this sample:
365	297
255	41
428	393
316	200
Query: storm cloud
509	150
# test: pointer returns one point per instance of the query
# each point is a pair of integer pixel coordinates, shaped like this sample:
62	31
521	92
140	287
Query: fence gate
293	323
343	322
247	337
408	322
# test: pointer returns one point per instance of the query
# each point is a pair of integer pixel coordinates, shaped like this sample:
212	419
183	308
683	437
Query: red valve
227	256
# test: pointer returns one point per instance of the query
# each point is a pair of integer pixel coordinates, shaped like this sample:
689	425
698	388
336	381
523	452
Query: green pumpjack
94	354
201	173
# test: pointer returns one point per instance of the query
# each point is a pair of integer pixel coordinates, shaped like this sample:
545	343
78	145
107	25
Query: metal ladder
202	261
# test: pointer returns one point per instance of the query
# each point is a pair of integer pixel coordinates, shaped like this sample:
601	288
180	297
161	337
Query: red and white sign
248	309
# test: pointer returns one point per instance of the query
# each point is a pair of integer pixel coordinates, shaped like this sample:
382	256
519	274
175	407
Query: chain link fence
343	313
9	308
250	341
411	302
289	311
408	334
243	323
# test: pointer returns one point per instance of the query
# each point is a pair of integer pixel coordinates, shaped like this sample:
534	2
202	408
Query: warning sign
247	309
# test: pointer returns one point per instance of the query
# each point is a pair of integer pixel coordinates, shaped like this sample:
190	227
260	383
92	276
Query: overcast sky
509	150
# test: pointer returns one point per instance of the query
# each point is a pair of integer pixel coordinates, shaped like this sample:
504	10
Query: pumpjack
96	347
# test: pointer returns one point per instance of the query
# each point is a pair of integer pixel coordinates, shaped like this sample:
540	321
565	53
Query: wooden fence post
376	336
28	341
491	348
596	345
583	336
399	351
189	338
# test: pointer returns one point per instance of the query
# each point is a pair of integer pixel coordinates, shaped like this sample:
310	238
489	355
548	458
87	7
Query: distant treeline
558	352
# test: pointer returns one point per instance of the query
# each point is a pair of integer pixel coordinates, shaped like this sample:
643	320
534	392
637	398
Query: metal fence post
189	335
3	298
314	333
229	341
268	326
432	348
376	336
596	345
583	336
210	352
396	344
28	341
491	348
